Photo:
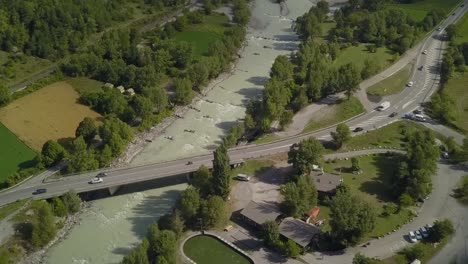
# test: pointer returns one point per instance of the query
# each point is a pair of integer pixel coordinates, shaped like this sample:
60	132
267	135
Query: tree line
201	206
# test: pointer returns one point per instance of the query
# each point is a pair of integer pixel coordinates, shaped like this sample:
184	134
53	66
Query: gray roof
325	182
260	212
298	231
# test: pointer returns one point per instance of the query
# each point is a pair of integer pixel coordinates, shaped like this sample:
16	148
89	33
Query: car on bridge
96	180
39	191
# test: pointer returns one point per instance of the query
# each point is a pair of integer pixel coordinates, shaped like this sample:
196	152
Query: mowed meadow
52	112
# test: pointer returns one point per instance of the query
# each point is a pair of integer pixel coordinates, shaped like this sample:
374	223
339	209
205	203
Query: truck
383	106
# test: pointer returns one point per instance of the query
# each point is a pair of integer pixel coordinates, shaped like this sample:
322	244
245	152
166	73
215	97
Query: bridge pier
113	190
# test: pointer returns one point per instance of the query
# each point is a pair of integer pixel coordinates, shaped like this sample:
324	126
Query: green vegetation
11	208
267	138
342	111
84	85
456	90
462	30
393	84
461	193
253	167
374	186
357	55
207	249
15	68
14	154
417	10
425	250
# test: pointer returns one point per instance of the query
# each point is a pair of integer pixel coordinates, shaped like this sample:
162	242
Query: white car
412	237
410	84
96	180
418	235
425	52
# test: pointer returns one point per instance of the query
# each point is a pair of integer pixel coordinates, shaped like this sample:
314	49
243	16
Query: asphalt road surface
426	82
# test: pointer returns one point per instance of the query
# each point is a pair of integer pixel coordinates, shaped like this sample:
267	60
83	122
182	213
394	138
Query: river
112	226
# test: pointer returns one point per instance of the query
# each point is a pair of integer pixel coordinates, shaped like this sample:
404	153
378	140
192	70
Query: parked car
102	174
40	191
393	114
417	111
418	235
96	180
424	232
421	67
242	177
419	118
410	84
412	237
358	129
425	52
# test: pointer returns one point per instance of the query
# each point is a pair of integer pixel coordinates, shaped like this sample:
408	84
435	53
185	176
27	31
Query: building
120	88
299	231
130	92
326	183
109	85
258	213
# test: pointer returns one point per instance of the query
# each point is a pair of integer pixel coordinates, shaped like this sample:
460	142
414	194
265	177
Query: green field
14	71
203	34
84	85
341	112
11	208
207	250
358	54
393	84
14	154
374	187
253	167
418	9
456	89
462	27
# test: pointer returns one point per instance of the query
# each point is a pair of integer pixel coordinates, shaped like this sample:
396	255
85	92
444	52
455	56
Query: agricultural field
203	34
17	68
462	27
14	154
418	9
49	113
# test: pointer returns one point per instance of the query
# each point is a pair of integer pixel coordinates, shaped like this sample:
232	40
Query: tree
351	218
138	255
443	107
72	202
189	204
361	259
355	164
5	95
87	129
164	245
198	74
183	91
43	225
441	229
292	250
270	233
304	155
341	135
214	212
202	180
58	207
299	197
142	106
349	78
461	193
414	252
406	200
177	223
52	153
221	181
286	118
112	127
282	68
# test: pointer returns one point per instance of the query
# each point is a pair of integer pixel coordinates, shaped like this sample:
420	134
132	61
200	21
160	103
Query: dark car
358	129
421	68
393	114
102	174
40	191
417	112
189	163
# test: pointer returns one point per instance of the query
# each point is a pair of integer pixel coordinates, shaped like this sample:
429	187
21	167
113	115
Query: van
419	117
384	106
242	177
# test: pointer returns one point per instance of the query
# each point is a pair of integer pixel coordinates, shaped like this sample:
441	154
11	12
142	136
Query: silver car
424	232
418	235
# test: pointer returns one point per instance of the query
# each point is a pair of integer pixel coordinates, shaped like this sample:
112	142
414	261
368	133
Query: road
426	82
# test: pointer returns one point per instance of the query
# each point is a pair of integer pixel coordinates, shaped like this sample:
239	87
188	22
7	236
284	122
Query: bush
414	252
441	230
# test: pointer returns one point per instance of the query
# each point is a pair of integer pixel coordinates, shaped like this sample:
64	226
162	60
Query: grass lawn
393	84
428	249
456	89
418	9
14	154
266	139
358	54
11	208
340	112
13	72
207	249
203	34
49	113
462	26
373	186
253	167
85	85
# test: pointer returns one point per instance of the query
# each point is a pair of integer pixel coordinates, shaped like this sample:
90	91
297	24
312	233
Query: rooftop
260	212
298	231
325	182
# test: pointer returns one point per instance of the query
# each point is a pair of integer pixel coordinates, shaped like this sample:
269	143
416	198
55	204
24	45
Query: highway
426	82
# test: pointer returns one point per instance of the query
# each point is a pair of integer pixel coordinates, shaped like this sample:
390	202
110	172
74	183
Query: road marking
408	103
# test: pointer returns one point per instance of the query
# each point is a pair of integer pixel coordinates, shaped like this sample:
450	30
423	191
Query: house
258	213
108	85
120	88
130	92
325	183
299	231
313	213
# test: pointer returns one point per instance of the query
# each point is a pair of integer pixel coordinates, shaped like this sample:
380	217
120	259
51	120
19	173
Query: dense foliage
304	155
299	197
